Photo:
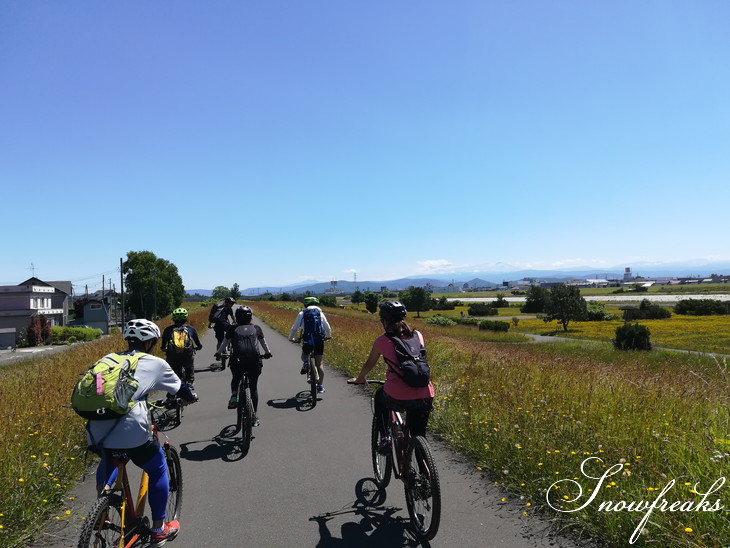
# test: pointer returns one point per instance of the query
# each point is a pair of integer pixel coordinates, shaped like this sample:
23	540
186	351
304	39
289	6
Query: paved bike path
302	480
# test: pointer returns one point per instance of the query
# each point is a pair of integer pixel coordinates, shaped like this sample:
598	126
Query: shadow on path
221	447
372	524
300	402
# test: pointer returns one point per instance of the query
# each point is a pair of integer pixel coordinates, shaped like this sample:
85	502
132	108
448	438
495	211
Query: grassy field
686	289
529	415
42	444
692	333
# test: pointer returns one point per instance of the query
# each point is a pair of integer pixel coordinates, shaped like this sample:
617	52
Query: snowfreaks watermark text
705	501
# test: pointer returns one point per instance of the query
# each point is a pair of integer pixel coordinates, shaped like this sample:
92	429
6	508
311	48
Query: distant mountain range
494	278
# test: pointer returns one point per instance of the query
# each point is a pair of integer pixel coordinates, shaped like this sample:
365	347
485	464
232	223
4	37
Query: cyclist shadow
300	402
221	447
213	367
373	524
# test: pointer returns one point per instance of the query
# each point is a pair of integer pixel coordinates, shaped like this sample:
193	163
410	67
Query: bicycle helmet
308	301
392	311
141	329
243	314
180	314
230	300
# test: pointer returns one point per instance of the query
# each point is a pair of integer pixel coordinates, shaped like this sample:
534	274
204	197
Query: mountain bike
409	459
312	374
244	412
116	520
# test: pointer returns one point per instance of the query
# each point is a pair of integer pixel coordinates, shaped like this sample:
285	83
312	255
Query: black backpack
412	365
244	343
219	313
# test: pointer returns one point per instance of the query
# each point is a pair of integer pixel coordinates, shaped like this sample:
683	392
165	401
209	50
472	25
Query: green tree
220	292
535	301
371	302
357	297
416	299
154	286
235	292
565	304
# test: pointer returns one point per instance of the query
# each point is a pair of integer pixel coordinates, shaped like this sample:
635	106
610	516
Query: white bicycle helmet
141	329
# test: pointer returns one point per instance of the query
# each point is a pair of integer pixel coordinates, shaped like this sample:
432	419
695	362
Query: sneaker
169	532
304	369
256	422
320	389
384	445
233	402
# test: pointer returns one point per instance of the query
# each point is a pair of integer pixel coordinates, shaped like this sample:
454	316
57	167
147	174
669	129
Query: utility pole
121	283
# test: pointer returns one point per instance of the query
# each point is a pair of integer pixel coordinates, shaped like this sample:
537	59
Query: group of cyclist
133	432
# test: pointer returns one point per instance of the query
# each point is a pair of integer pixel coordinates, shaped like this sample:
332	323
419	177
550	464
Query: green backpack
105	391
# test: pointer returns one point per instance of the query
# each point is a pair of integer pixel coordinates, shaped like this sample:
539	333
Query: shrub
328	300
632	336
482	309
649	311
493	325
700	307
438	319
501	302
597	312
64	335
515	320
467	321
443	304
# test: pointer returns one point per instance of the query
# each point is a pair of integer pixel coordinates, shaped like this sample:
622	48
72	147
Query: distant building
18	303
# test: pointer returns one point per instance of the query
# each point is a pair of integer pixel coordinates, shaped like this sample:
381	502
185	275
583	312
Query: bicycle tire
245	416
423	489
313	376
174	473
103	525
382	464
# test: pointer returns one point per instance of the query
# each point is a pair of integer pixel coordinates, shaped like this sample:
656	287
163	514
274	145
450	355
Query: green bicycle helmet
180	314
309	301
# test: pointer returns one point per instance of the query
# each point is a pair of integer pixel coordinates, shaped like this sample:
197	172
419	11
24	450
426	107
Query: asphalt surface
302	482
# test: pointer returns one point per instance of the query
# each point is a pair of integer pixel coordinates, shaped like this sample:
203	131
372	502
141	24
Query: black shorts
318	348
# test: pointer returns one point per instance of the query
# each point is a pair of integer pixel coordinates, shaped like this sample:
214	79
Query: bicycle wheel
174	472
382	463
423	490
103	525
245	415
313	376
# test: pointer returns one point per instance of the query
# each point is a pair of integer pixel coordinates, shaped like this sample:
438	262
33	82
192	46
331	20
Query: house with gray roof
18	303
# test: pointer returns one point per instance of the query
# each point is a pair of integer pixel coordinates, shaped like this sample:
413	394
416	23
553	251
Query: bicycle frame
132	514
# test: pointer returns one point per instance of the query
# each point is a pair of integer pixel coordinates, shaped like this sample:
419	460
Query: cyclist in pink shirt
396	394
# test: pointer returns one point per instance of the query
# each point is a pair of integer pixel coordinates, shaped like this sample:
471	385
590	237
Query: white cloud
434	266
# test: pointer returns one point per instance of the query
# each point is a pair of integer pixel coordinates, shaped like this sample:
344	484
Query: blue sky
265	143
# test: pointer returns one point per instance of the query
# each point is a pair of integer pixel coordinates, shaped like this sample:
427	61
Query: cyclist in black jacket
247	340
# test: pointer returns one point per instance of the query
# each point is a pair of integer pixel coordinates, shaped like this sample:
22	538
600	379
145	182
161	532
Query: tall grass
42	444
529	415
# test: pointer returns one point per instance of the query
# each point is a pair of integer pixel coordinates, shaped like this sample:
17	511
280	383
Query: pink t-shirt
394	385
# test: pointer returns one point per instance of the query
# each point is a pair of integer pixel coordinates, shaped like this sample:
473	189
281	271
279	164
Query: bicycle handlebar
367	381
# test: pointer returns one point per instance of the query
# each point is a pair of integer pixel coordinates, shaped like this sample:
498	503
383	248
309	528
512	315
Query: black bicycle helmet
243	314
392	311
